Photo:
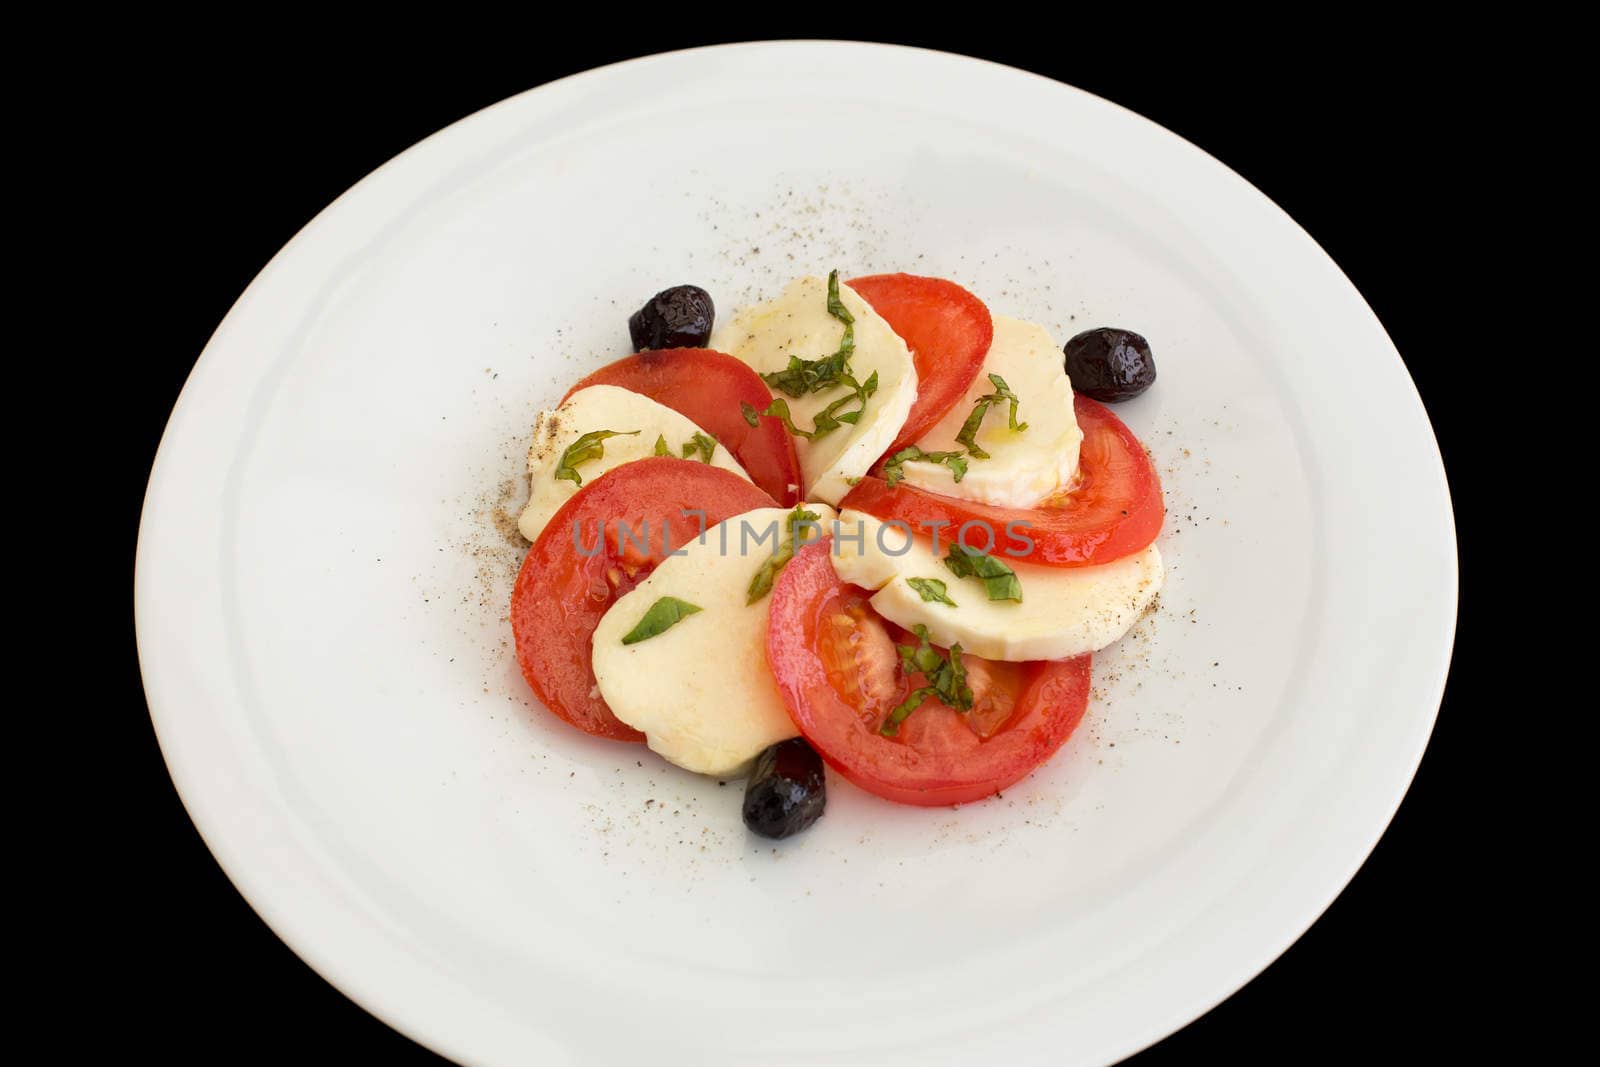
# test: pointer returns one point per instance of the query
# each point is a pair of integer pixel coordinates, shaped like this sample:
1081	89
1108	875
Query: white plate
322	582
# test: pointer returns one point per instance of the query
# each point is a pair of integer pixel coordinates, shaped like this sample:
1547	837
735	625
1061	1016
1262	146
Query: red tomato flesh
561	594
836	666
1113	510
948	331
707	388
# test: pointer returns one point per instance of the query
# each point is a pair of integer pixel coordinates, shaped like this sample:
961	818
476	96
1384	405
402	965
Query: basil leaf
803	376
922	659
968	434
702	444
761	581
969	429
829	418
583	450
893	470
956	692
999	580
1002	391
661	445
662	616
902	711
931	590
778	409
946	678
837	309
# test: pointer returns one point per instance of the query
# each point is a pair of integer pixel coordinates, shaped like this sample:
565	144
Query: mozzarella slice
797	323
701	690
601	407
1023	468
1065	611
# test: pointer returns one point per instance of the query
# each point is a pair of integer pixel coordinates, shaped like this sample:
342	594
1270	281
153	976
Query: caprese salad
865	523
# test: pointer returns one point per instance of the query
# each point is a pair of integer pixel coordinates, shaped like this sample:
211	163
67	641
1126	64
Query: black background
220	155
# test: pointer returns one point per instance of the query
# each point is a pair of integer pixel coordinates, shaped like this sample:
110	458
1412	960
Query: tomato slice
707	388
561	594
835	664
948	331
1113	510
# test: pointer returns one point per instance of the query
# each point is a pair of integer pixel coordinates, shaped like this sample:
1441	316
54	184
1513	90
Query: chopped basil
1002	391
946	680
702	444
892	471
932	590
924	658
778	409
831	417
999	581
662	616
969	429
828	419
804	376
583	450
761	581
902	711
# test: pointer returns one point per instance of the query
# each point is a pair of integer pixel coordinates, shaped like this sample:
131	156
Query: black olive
787	790
679	317
1109	364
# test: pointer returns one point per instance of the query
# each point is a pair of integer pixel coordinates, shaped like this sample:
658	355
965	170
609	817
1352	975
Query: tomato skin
561	594
1114	510
707	387
937	758
948	331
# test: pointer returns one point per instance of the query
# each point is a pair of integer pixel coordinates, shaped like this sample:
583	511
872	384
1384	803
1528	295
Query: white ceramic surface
324	566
